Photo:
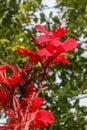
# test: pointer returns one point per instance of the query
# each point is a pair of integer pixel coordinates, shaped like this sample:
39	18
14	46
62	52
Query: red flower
27	116
3	78
48	36
42	119
23	51
32	54
49	48
54	49
14	117
25	112
36	103
8	84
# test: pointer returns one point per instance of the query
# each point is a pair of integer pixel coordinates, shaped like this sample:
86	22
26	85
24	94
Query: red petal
42	29
43	38
61	59
37	102
44	52
22	51
34	57
13	79
59	32
7	127
10	113
70	44
53	46
3	96
3	80
3	67
44	117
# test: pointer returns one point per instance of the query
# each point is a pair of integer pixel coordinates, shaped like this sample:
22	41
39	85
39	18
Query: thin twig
3	62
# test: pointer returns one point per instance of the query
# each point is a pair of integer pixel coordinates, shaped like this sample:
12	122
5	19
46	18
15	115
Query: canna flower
49	49
50	36
24	112
27	116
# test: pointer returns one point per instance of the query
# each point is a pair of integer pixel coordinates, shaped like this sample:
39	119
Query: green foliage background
17	20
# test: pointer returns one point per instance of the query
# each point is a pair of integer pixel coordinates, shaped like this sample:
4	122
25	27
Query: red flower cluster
27	115
50	50
24	111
